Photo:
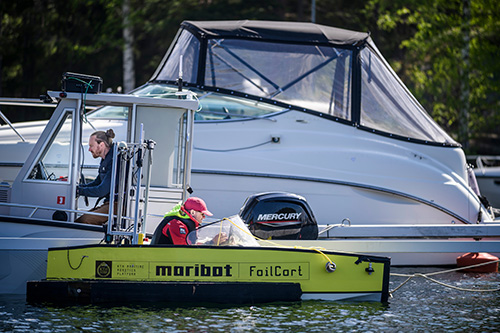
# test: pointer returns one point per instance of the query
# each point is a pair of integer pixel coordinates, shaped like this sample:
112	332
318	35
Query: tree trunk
464	77
313	11
1	57
128	51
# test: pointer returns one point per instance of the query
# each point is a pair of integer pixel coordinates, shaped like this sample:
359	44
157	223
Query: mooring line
426	276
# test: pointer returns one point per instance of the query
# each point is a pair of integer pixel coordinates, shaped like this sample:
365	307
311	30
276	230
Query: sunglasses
202	214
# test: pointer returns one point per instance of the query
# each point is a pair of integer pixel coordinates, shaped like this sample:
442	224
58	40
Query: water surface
420	305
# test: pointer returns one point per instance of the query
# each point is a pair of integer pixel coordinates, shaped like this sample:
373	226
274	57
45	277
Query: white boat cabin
45	187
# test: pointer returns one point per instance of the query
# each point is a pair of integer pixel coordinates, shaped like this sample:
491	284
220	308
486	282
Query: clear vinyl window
321	82
53	164
388	106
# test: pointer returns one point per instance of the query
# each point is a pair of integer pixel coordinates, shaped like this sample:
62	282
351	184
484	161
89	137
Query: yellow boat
238	271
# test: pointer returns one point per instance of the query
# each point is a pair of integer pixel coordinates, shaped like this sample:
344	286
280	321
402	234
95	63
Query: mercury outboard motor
279	215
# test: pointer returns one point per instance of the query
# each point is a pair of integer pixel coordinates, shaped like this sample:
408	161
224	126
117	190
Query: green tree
42	39
156	22
59	36
449	60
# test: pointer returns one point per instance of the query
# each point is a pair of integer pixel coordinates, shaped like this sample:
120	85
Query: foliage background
444	50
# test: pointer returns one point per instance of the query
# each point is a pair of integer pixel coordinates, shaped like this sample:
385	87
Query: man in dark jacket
100	145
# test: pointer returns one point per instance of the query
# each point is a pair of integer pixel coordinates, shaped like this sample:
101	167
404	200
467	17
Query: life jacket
177	213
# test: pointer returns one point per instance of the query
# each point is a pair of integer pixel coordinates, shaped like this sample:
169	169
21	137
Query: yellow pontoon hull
356	277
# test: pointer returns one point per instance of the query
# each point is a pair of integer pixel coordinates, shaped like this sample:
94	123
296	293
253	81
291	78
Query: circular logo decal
103	269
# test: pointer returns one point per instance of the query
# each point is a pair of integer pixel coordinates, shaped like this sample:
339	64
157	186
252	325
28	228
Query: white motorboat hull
407	245
23	250
341	171
403	252
337	168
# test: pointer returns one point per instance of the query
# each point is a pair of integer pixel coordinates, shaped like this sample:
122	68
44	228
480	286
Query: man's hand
220	238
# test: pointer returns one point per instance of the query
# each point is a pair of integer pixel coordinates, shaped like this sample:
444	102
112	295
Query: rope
69	262
220	233
233	149
426	276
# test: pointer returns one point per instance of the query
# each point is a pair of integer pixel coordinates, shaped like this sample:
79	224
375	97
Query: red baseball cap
197	204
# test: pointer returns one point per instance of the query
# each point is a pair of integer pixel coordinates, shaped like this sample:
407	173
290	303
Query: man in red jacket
180	221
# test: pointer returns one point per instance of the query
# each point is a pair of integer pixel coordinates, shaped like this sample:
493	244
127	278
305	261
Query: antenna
179	80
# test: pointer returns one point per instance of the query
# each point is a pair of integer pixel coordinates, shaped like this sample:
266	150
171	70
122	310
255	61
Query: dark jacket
101	186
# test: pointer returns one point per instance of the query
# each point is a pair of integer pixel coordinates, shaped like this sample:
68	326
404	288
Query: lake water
420	305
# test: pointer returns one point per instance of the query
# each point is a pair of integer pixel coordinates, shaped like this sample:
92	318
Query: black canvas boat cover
302	66
297	32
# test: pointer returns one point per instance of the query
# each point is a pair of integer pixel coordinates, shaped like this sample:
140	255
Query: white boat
38	208
313	110
307	109
487	171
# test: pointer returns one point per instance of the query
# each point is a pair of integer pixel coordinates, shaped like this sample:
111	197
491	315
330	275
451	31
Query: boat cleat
330	267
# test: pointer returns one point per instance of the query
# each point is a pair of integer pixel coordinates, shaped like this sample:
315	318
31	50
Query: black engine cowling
279	215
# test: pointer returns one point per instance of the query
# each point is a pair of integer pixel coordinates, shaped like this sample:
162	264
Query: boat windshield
311	76
109	112
215	106
232	231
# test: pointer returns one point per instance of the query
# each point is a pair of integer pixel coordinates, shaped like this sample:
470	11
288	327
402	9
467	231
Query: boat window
109	112
308	76
179	152
388	106
157	91
214	106
53	163
188	47
321	82
220	107
169	167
